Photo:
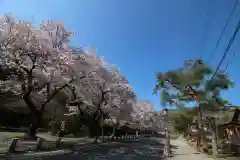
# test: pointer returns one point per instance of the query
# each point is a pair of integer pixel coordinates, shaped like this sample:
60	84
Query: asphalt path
134	149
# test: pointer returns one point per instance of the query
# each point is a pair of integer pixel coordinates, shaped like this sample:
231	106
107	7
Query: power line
193	93
226	50
206	23
231	59
219	65
222	32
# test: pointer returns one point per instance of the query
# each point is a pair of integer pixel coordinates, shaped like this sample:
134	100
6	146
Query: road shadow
139	149
186	154
173	149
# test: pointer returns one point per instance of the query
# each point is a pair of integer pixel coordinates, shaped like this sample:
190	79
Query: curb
42	154
37	154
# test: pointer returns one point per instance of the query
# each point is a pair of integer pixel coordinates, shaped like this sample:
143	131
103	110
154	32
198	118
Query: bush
42	130
55	126
75	125
74	128
181	122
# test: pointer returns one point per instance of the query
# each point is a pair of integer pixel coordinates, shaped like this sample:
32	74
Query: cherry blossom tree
140	109
122	100
100	93
35	56
145	117
43	64
103	90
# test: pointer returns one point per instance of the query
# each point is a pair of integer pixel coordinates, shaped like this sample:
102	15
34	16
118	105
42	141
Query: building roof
235	121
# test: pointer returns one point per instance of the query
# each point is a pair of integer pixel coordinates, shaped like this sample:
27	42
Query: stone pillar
136	132
13	145
39	144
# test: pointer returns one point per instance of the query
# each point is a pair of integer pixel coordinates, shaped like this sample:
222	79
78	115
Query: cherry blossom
43	63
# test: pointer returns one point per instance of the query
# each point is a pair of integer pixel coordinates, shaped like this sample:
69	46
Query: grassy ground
8	135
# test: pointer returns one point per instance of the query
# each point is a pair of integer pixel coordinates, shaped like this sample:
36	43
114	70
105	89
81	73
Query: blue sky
141	37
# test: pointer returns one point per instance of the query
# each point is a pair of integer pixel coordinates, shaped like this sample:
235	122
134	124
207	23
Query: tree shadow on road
186	154
147	149
173	149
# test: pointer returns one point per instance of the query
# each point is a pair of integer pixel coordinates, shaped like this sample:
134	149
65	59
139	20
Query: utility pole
194	95
166	132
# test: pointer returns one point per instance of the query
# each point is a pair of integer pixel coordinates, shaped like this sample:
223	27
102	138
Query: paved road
138	149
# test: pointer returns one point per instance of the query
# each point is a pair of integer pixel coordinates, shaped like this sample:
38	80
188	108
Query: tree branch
174	86
30	104
54	93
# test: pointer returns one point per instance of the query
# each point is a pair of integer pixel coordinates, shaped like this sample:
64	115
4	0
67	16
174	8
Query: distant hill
175	111
224	115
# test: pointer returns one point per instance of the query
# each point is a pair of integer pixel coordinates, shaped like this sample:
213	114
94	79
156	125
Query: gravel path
182	151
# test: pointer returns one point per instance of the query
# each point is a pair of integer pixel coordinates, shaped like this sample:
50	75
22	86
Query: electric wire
218	67
231	59
229	62
226	51
209	13
223	30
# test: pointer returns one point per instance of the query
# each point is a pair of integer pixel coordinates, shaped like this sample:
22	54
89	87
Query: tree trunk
199	128
214	144
213	130
102	128
91	129
94	129
92	124
32	107
32	130
37	115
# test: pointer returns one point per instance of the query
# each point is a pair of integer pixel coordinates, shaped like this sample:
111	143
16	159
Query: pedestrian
167	144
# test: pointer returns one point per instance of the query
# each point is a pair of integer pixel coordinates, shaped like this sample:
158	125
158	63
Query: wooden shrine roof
235	120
